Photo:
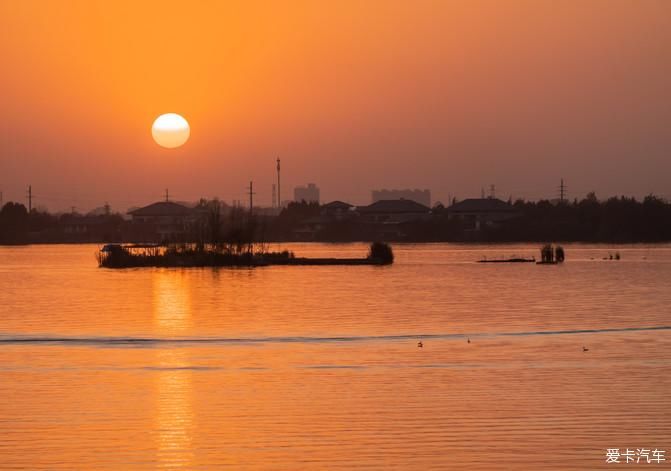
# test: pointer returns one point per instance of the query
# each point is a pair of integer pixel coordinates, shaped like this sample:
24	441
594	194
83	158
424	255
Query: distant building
309	193
393	211
308	228
337	210
164	220
330	213
388	219
89	228
479	212
419	196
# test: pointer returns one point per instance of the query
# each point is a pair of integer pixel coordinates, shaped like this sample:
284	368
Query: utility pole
30	199
166	195
562	191
279	193
251	197
250	245
274	196
492	191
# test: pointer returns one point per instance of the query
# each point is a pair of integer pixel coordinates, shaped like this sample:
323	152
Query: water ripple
6	339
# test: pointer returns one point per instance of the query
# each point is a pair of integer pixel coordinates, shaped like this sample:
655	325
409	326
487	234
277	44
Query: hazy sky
446	95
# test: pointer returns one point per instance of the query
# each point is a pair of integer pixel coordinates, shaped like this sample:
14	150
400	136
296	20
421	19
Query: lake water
318	367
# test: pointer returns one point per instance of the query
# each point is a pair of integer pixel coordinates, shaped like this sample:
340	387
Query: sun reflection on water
171	302
174	417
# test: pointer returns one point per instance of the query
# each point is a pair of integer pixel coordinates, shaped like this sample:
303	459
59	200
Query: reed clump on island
224	242
552	254
381	251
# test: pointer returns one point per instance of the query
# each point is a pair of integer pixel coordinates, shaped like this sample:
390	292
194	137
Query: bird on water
420	345
469	340
585	349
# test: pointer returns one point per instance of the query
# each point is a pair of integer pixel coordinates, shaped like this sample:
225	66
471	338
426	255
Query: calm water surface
318	367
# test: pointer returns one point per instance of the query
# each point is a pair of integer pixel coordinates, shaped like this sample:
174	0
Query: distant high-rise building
418	196
307	193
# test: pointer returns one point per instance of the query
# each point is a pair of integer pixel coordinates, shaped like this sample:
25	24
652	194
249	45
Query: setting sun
170	130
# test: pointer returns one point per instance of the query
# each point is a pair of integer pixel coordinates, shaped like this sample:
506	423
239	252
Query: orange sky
353	96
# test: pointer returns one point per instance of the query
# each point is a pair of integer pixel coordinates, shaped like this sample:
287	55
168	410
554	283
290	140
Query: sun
170	130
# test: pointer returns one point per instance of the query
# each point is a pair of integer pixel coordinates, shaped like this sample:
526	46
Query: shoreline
351	242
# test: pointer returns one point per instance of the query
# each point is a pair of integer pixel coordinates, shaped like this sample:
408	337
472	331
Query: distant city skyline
59	202
308	193
449	96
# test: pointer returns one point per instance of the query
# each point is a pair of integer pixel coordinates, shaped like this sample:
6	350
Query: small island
193	255
235	239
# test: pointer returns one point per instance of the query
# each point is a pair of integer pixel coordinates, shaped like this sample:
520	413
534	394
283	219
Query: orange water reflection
171	302
173	415
327	384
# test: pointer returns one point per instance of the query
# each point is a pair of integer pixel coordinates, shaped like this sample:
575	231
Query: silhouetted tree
14	223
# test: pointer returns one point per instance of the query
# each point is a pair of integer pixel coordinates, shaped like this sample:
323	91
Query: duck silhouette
585	349
469	340
420	345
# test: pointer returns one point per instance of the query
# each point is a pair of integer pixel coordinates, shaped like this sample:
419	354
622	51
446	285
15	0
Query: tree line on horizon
616	219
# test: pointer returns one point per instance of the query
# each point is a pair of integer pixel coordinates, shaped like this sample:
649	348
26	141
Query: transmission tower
279	193
251	197
562	191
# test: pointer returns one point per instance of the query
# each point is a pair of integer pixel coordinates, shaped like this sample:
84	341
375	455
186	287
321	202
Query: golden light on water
174	415
170	130
171	303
